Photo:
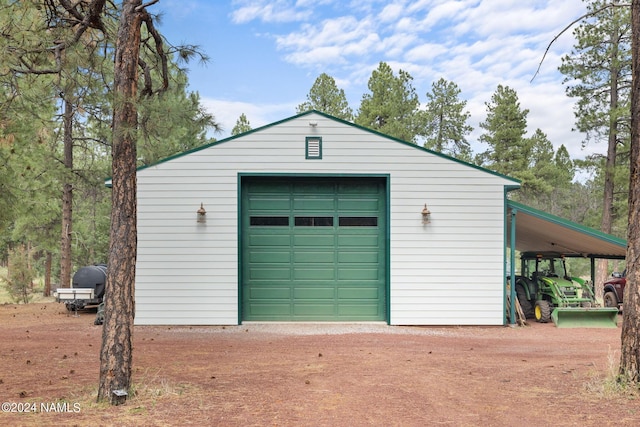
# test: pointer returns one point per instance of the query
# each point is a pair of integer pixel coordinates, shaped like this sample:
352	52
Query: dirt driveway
313	375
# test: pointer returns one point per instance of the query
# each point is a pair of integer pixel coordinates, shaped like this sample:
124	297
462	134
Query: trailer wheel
610	299
525	304
543	311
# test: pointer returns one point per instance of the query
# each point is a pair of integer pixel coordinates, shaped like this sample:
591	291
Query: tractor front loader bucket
600	317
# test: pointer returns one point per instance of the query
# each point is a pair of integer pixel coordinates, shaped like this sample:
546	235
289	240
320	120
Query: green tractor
547	292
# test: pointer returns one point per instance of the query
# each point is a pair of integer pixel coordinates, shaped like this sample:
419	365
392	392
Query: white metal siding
448	272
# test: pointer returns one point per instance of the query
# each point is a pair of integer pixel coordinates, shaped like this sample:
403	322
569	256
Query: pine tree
172	122
325	96
446	127
242	125
599	73
505	128
391	106
629	371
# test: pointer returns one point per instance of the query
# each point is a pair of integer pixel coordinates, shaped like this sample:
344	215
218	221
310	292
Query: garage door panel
359	293
314	257
358	274
269	240
267	204
270	257
272	293
314	293
317	205
364	241
358	205
271	311
359	311
313	187
356	187
360	257
314	240
314	273
313	310
258	274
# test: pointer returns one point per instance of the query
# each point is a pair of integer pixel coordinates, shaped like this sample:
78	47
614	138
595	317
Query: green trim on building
243	253
313	148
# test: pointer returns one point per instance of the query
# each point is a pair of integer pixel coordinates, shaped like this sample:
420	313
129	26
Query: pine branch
575	21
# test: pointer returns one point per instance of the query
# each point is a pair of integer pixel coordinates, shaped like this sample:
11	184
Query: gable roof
516	182
538	231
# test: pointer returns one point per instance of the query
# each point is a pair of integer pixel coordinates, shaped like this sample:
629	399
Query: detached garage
316	219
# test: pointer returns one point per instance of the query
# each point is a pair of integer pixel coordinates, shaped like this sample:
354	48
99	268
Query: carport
530	229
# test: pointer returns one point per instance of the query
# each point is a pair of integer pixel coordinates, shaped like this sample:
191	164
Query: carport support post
593	276
512	268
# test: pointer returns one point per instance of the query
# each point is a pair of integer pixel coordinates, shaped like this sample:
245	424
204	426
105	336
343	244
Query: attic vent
313	147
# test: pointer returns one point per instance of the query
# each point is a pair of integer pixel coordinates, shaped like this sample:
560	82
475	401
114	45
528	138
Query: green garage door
313	249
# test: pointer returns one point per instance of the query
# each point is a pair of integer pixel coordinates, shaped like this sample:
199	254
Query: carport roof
539	231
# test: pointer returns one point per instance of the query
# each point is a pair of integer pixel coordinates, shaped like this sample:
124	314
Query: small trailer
87	289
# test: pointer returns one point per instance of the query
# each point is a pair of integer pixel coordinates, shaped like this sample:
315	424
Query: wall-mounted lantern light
202	214
426	215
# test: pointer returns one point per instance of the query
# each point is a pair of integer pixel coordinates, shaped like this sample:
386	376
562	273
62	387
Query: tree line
56	122
55	131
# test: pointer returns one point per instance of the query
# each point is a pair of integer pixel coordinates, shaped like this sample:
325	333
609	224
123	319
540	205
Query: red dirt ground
319	375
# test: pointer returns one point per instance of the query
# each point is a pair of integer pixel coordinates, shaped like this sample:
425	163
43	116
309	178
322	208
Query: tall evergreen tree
37	43
549	174
172	122
325	96
565	195
599	71
505	128
629	370
33	75
242	125
391	106
446	127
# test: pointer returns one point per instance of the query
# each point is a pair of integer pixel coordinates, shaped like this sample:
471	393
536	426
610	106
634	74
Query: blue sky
266	54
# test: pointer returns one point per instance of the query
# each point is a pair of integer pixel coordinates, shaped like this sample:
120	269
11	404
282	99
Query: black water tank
92	276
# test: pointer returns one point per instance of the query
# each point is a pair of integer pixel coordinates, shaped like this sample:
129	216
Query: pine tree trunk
117	337
630	352
47	274
602	270
67	197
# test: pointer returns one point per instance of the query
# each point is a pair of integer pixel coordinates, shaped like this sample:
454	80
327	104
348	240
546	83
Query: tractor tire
610	299
525	304
543	311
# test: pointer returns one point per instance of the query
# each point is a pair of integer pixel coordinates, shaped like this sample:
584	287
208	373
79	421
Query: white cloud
391	12
227	113
475	44
345	33
425	52
443	11
269	11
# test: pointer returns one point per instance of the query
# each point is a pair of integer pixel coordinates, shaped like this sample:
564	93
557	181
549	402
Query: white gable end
447	272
